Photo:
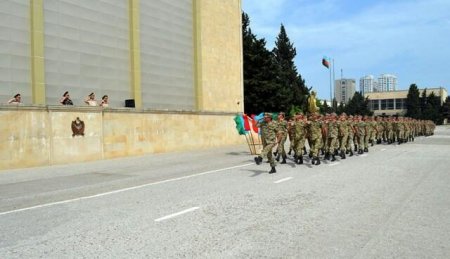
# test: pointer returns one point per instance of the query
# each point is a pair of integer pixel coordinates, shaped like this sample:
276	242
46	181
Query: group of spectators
65	100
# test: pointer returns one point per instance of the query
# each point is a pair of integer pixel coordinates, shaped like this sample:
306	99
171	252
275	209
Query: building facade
164	55
344	89
367	84
180	62
394	102
387	83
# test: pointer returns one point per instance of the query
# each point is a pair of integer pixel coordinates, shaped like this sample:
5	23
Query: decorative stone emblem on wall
77	127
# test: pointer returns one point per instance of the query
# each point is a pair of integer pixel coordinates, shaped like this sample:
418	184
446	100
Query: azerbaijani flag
325	62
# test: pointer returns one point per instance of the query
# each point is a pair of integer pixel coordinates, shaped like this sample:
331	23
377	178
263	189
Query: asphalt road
393	202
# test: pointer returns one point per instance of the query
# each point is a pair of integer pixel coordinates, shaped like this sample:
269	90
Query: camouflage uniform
269	130
315	137
343	134
360	126
331	135
300	129
291	134
351	135
282	136
369	133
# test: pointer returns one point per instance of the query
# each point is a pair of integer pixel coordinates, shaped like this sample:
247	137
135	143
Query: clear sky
407	38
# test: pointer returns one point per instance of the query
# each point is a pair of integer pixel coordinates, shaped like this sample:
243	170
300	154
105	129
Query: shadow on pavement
258	172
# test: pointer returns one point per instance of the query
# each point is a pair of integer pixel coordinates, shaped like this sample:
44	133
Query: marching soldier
331	133
315	137
269	131
368	133
300	128
361	134
282	136
291	134
343	134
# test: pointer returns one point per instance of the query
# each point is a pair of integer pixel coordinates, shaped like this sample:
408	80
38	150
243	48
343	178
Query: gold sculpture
312	107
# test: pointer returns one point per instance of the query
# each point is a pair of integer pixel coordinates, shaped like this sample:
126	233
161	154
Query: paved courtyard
393	202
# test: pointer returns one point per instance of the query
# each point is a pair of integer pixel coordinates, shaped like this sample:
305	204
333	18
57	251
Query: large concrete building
386	83
367	84
394	102
180	62
344	89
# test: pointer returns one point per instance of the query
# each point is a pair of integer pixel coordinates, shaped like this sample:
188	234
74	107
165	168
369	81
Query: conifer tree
413	107
292	91
259	72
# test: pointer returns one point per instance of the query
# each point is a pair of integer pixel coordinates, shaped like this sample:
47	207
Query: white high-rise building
344	90
387	83
367	84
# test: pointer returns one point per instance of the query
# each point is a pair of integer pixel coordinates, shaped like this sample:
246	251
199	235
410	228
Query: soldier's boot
351	152
317	160
336	152
379	141
300	160
327	156
310	155
333	158
278	158
304	151
356	147
412	139
275	153
272	170
342	154
372	143
258	160
360	151
284	160
366	149
290	151
295	158
347	151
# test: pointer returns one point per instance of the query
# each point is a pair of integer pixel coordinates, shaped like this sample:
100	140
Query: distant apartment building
394	102
344	89
367	84
387	83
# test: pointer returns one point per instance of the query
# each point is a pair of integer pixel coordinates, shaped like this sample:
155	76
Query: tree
340	108
325	108
445	109
292	91
413	105
432	109
423	101
358	105
334	105
260	73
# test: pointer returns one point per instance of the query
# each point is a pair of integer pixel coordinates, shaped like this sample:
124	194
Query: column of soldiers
331	135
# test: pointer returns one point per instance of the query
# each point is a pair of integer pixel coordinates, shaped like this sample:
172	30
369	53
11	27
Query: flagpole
331	95
334	87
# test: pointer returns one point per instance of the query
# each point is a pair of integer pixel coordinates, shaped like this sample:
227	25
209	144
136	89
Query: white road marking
176	214
383	149
363	155
121	190
334	163
284	180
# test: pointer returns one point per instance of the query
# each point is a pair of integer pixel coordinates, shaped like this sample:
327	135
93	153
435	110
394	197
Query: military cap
268	114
